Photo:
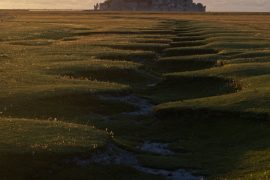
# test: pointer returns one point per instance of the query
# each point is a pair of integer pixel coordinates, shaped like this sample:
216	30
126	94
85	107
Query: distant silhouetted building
150	5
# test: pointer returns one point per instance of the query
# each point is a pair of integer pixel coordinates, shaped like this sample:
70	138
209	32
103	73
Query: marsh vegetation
139	96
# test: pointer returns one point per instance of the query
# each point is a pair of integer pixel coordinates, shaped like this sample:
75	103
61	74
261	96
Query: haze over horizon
212	5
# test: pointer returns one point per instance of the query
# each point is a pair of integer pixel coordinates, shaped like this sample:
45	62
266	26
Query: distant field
134	95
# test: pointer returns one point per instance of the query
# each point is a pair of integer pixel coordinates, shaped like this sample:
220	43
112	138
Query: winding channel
115	155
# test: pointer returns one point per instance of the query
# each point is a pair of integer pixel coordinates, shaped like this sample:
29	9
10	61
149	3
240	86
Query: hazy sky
212	5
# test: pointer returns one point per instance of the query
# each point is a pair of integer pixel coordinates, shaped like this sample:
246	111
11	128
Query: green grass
188	51
188	43
240	45
185	87
187	63
157	47
138	56
41	149
207	76
22	136
60	104
235	145
124	72
27	145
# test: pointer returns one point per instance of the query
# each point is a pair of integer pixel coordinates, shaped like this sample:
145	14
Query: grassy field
74	85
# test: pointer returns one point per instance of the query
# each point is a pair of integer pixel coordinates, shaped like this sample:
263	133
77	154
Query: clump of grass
61	105
139	56
240	45
70	39
53	34
3	56
187	63
32	43
103	70
157	47
183	65
66	138
152	40
188	43
184	87
253	54
194	38
122	32
188	51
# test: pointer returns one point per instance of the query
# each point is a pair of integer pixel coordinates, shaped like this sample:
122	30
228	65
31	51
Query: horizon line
59	9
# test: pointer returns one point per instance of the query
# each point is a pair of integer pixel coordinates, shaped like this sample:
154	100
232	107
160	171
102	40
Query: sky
212	5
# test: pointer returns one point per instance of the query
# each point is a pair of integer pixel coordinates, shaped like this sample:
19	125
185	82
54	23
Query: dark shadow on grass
61	106
217	141
146	56
187	87
187	51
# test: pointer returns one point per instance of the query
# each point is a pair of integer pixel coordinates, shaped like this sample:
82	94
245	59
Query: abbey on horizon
150	5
